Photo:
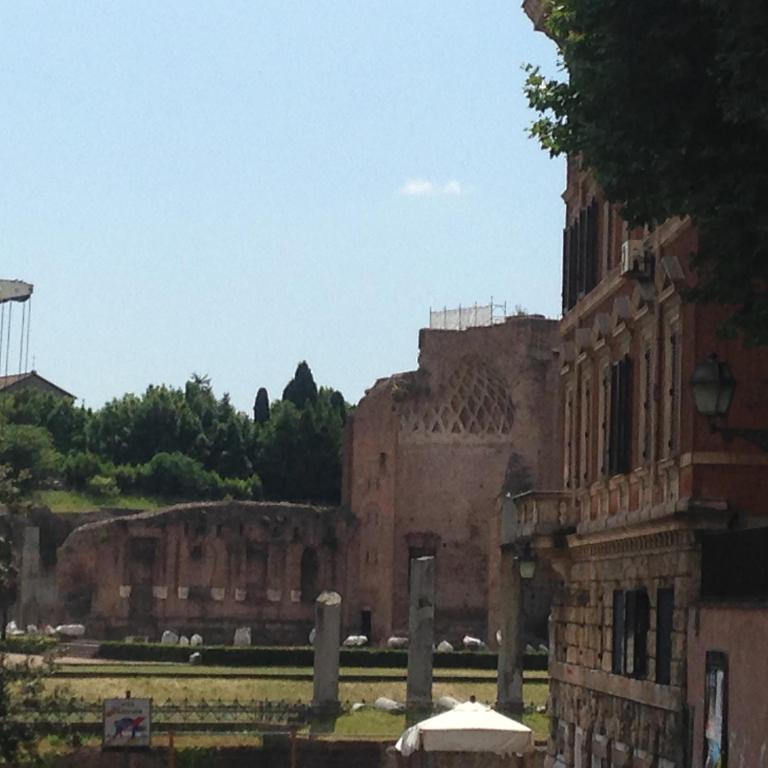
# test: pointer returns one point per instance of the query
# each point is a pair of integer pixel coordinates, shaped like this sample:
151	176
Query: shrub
30	453
81	466
102	487
174	474
126	476
35	644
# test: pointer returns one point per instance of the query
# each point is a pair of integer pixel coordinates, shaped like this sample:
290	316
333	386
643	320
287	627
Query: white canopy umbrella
469	727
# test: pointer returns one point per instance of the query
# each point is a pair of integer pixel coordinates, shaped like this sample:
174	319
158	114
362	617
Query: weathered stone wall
433	451
628	715
207	568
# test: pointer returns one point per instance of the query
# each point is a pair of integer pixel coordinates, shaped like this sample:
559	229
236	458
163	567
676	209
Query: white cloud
425	188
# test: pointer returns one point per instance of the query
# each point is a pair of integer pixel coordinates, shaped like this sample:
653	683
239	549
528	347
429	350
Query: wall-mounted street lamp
526	562
713	385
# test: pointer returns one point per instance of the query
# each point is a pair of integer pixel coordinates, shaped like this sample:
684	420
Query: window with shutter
620	418
665	606
631	621
617	646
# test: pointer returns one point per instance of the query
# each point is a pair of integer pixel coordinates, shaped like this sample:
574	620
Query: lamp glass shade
712	384
527	567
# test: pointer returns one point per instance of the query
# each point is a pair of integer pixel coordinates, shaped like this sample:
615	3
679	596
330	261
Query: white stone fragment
242	636
196	658
183	640
182	593
124	591
355	641
160	593
397	642
388	705
196	640
169	638
444	647
218	593
70	630
474	643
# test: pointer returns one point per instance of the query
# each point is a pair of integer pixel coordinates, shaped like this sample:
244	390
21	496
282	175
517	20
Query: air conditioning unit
636	260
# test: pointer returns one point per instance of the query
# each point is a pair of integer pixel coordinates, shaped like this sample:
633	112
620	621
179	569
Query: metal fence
473	316
77	714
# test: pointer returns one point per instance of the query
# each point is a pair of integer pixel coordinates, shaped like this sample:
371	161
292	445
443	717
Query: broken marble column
327	642
509	681
421	633
29	577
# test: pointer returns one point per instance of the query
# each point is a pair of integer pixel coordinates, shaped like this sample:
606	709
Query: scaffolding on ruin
473	316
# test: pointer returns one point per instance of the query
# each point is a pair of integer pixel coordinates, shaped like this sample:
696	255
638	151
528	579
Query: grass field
132	669
195	684
75	501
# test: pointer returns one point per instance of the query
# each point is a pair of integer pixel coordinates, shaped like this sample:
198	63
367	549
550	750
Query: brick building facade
647	483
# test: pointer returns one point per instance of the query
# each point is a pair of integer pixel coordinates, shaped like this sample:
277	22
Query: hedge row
301	656
27	644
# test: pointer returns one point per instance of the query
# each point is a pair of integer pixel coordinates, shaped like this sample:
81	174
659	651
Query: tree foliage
182	443
667	104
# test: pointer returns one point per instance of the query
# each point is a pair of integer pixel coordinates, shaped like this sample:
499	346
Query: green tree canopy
667	104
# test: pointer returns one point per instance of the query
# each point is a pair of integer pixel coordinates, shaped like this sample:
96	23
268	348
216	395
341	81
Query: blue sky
229	188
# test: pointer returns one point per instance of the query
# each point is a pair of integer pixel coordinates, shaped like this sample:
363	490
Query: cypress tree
261	407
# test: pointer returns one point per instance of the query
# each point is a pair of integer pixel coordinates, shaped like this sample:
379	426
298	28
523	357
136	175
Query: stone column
29	577
509	681
421	633
325	697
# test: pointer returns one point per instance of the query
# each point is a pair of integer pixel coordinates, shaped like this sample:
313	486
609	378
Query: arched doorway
309	575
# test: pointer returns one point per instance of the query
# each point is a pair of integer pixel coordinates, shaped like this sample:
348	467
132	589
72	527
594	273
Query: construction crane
15	291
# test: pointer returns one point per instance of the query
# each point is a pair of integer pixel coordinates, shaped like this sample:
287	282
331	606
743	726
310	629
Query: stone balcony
537	513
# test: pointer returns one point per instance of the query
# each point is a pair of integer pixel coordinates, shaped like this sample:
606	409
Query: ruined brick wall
433	452
207	568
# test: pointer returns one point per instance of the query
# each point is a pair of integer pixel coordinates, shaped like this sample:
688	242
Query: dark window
617	666
631	613
665	606
366	622
620	418
647	404
734	565
580	257
674	393
636	633
309	575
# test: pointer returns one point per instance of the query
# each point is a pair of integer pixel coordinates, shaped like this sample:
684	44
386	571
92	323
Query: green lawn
76	501
162	687
176	670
